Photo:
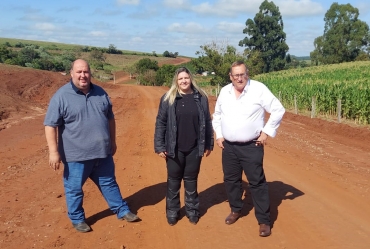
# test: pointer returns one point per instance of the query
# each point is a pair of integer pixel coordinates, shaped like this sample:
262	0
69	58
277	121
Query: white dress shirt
242	119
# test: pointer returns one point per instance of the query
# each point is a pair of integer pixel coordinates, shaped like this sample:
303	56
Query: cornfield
347	82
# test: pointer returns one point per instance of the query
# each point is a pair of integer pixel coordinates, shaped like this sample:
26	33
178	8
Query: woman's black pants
184	166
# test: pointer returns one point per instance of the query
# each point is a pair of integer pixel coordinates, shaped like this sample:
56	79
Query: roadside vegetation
343	87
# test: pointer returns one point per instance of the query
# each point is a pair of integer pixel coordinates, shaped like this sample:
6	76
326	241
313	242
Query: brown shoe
233	216
265	230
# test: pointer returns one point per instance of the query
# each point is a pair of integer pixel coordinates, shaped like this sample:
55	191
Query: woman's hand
207	152
163	154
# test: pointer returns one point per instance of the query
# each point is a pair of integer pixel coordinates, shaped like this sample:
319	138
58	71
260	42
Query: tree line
37	57
46	58
53	58
146	71
346	38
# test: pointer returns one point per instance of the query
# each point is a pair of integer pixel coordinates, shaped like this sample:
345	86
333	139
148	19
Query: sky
161	25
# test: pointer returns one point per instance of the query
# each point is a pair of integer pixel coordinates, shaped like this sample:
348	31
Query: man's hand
262	139
54	160
220	142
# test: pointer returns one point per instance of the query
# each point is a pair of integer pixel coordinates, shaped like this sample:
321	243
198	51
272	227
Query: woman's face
184	83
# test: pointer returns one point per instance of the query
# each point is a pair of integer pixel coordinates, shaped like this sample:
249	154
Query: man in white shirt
241	132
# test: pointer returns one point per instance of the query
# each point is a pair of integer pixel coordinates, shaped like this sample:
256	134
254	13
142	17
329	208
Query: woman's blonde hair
174	90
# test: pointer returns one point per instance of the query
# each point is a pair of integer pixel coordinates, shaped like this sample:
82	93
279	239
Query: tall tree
345	36
265	34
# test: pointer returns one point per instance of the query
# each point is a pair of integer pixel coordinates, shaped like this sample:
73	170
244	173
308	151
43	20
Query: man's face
81	76
239	77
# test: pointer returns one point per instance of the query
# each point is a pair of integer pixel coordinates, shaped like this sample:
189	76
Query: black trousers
247	157
184	166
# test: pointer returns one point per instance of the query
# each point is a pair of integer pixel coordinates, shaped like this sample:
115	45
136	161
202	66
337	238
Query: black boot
173	199
191	199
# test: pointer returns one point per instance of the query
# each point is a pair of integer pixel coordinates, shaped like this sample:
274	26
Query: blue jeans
101	172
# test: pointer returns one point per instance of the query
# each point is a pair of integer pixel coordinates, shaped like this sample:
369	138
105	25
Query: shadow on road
147	196
208	198
211	196
278	191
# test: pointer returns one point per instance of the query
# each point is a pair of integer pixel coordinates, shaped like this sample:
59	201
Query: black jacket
165	135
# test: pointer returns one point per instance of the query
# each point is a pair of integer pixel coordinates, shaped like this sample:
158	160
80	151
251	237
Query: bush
146	64
164	75
12	61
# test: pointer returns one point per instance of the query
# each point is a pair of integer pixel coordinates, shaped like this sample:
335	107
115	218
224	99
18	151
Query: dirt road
318	174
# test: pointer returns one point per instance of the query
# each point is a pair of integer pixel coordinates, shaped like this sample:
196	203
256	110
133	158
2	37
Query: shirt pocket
102	107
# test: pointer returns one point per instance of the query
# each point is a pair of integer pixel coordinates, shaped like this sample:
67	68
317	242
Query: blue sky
158	25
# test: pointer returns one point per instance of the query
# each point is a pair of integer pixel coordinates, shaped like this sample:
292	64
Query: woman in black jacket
183	134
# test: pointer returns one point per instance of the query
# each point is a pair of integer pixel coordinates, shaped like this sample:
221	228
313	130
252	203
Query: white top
242	119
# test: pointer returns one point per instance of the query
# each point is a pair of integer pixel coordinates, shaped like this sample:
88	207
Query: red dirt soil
318	174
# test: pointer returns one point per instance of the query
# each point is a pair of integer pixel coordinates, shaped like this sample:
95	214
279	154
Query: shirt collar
245	88
79	91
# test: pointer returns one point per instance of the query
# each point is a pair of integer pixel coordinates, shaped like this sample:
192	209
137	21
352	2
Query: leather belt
240	143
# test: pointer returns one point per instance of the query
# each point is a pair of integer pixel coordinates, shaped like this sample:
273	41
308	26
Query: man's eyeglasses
236	76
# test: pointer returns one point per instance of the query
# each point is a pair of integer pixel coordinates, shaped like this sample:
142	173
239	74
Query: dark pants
237	157
185	165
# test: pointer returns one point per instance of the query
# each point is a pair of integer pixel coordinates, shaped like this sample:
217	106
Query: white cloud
128	2
108	12
231	27
104	25
177	4
292	8
66	9
190	27
136	39
363	8
228	7
35	17
45	26
26	9
145	13
98	33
